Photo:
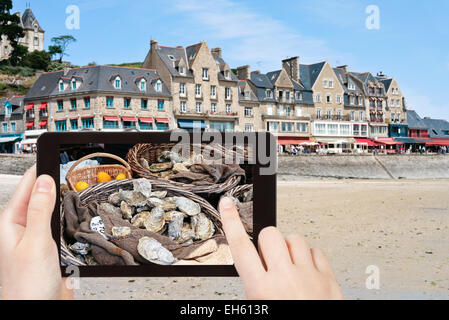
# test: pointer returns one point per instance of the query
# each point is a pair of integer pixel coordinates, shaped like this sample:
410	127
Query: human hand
29	264
286	269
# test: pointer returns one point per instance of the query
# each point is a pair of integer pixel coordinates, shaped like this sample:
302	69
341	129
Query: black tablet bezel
48	161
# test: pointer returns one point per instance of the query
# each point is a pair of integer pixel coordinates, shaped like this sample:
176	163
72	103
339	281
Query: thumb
40	208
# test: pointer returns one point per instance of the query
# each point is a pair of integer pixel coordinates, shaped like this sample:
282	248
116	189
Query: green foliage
129	65
11	29
54	50
37	60
60	45
56	66
17	70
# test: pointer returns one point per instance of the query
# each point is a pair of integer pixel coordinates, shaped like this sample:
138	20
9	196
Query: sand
400	226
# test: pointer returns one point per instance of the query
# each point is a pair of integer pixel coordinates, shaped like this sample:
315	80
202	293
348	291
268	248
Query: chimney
66	70
291	65
154	45
256	72
381	75
344	68
217	51
426	118
243	72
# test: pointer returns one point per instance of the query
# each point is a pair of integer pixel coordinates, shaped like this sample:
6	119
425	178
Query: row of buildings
194	88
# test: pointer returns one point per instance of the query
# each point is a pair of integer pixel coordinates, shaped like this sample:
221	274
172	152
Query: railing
332	117
190	112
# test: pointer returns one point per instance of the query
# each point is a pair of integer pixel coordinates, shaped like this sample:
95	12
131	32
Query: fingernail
44	184
226	203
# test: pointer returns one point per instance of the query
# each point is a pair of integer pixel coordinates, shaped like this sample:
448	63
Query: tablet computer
145	204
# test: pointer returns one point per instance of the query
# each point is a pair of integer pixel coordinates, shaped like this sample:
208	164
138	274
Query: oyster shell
159	167
187	206
133	198
121	231
166	174
178	167
155	221
186	235
144	163
138	219
170	156
158	194
153	251
143	186
108	208
203	226
141	209
114	199
154	202
80	248
173	215
127	210
97	224
175	221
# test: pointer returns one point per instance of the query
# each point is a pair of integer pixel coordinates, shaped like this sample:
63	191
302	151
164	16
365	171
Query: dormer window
143	85
205	74
118	83
74	84
35	28
159	86
227	74
182	70
61	86
171	57
351	86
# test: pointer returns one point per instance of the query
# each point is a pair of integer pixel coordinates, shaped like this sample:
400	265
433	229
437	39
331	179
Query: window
159	86
13	127
333	128
88	123
144	104
205	74
302	127
287	95
227	93
182	70
109	102
160	105
182	89
351	85
268	93
325	83
339	99
161	126
61	125
339	115
273	126
398	103
129	124
73	85
298	95
143	85
145	125
198	107
331	84
227	74
281	110
287	111
320	128
329	113
270	110
213	107
318	113
361	115
351	99
249	127
198	90
61	86
248	112
360	100
126	103
246	94
5	127
328	98
60	105
345	129
228	108
118	83
74	124
287	126
213	91
352	115
110	124
8	109
364	130
86	102
73	104
36	41
182	106
356	129
318	97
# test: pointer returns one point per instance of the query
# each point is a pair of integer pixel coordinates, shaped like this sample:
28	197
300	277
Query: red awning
146	120
30	124
87	117
369	142
162	120
129	119
43	106
291	140
109	118
437	143
43	123
30	106
388	141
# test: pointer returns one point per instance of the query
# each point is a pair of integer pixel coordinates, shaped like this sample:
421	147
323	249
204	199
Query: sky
409	42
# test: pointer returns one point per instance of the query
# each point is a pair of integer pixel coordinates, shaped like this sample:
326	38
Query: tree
54	50
60	45
11	29
37	60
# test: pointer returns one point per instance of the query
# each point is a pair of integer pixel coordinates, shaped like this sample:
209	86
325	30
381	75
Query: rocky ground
399	226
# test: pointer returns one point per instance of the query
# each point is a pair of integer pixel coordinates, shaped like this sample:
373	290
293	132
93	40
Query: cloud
425	106
253	38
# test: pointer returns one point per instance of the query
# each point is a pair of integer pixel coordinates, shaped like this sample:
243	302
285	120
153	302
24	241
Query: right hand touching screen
285	269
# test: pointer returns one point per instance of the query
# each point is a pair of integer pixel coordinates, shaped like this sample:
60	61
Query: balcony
285	100
222	114
190	113
332	117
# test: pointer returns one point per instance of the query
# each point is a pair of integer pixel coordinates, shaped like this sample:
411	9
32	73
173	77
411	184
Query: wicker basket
151	153
101	192
89	174
238	191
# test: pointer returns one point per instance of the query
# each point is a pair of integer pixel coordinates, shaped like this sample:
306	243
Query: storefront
336	146
221	125
8	143
363	145
389	145
191	125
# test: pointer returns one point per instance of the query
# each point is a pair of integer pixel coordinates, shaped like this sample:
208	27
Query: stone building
12	123
34	35
204	89
101	98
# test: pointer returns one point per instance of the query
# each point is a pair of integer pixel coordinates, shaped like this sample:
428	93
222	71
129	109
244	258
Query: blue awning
412	140
192	124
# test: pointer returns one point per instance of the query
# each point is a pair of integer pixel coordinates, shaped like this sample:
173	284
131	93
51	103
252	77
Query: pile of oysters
170	163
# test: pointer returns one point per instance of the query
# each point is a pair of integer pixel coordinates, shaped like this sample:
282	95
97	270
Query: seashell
166	174
121	231
187	206
138	219
114	199
141	209
133	198
154	202
143	186
159	167
178	167
203	226
168	205
153	251
144	163
127	210
108	208
80	248
158	194
186	234
248	196
175	219
97	224
170	156
155	221
173	215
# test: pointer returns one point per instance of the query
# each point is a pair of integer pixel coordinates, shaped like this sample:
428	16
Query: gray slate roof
98	78
414	121
365	77
17	105
386	82
252	96
28	20
178	54
221	63
436	128
308	73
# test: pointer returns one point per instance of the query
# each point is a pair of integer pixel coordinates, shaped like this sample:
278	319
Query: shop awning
43	123
87	117
438	143
8	139
369	142
129	119
30	124
162	120
191	124
110	118
146	120
334	141
29	106
291	140
43	106
29	141
388	141
412	140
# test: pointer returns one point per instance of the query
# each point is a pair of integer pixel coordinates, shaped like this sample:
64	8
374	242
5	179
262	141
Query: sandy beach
400	226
